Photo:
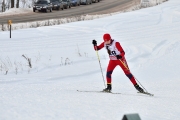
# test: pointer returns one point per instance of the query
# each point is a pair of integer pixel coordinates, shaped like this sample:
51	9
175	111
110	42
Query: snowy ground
14	11
63	61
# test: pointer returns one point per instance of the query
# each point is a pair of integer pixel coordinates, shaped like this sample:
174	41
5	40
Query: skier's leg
110	69
126	70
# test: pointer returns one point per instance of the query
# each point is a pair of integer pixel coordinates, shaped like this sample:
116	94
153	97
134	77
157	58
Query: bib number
113	53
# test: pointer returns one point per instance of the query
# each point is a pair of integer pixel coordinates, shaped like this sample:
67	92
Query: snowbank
14	11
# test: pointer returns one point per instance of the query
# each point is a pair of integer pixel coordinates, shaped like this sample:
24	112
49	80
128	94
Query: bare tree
12	3
33	2
17	4
8	4
26	3
3	6
0	7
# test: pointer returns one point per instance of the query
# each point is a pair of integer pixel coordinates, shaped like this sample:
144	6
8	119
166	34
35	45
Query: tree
3	6
12	3
17	4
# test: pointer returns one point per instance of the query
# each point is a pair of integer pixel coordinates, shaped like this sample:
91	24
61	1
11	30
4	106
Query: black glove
94	42
118	56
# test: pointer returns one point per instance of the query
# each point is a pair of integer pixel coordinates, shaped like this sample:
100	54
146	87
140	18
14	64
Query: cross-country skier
117	57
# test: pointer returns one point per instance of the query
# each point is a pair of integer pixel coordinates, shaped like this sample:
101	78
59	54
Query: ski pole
100	66
132	74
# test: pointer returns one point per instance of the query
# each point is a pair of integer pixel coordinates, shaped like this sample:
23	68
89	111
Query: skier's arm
99	46
118	46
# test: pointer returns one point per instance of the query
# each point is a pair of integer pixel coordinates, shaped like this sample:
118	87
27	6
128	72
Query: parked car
42	5
67	4
94	1
57	4
75	2
86	2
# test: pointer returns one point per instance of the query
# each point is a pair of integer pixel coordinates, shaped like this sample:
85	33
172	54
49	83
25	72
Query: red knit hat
106	37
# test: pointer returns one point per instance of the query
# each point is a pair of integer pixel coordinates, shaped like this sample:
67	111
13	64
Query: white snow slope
64	61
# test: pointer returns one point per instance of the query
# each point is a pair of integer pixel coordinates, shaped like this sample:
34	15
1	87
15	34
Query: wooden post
9	23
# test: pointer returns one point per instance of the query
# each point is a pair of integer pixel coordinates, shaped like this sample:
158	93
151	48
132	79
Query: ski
147	93
98	92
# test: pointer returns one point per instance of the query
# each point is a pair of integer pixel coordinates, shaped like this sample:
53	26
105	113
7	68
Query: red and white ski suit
115	49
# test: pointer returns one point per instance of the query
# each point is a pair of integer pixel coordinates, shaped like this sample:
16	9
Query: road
103	7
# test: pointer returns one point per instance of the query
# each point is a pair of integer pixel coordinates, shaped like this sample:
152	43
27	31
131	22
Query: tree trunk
12	3
17	4
3	6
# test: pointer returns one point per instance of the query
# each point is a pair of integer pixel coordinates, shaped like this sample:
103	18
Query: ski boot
139	88
108	89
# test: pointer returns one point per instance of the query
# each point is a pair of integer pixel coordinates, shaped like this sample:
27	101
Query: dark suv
86	2
94	1
57	4
42	5
76	2
67	4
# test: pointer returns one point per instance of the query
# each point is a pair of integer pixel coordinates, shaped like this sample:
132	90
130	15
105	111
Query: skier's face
107	42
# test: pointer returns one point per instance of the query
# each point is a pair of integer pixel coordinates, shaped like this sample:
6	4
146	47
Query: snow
14	11
64	61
